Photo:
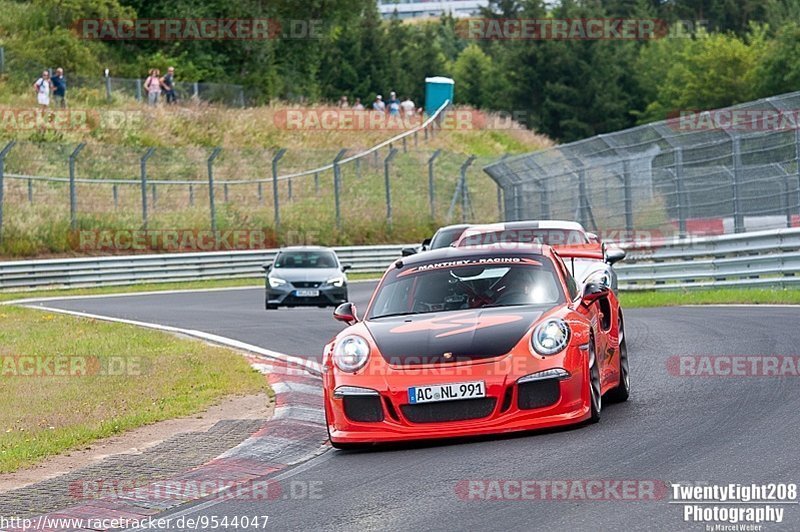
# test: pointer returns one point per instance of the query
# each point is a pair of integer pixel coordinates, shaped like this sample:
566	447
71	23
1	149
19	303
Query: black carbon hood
456	336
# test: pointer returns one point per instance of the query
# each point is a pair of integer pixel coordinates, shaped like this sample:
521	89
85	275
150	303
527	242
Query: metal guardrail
764	258
173	267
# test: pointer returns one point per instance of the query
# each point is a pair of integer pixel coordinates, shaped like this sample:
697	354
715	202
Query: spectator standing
43	87
393	104
378	104
343	103
408	107
358	106
168	82
153	86
60	88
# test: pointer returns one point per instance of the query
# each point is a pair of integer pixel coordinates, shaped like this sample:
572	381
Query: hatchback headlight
351	353
275	282
550	337
338	282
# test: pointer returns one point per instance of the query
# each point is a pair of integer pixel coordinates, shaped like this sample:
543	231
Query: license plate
307	293
446	392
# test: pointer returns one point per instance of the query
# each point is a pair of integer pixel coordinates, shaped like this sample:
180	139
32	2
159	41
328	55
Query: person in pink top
153	86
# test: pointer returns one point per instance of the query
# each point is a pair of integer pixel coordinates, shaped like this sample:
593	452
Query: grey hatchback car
305	276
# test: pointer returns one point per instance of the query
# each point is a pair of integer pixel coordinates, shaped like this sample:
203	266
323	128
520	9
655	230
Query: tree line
717	53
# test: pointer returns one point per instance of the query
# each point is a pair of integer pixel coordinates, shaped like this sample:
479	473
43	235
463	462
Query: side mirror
426	244
614	254
266	266
592	292
346	267
346	312
407	252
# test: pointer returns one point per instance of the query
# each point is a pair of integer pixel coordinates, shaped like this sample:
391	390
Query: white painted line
311	366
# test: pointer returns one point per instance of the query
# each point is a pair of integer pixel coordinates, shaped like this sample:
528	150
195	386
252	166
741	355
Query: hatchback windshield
305	259
467	284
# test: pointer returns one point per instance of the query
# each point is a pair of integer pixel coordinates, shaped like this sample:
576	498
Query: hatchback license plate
307	293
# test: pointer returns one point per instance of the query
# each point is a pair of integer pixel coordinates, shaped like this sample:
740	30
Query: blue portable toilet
438	90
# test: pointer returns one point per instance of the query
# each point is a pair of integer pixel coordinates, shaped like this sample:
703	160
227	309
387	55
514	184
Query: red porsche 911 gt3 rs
479	340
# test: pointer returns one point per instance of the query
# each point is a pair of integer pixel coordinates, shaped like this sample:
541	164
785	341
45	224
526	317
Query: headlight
275	282
336	281
351	353
550	337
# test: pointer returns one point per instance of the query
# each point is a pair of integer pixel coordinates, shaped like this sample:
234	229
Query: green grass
152	287
165	377
750	296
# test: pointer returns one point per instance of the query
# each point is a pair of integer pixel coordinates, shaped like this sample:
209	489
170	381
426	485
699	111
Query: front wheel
595	390
621	393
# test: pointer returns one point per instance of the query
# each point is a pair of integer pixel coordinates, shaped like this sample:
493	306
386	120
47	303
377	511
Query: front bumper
287	295
508	406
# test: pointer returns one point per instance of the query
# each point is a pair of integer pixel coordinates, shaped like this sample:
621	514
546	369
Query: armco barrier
764	258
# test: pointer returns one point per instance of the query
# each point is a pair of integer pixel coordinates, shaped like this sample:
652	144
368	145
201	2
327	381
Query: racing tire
271	307
595	389
621	393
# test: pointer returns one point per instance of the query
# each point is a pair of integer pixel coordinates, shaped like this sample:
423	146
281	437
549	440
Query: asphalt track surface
716	430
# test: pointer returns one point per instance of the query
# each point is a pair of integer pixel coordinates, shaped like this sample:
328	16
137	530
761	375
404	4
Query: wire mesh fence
712	172
57	191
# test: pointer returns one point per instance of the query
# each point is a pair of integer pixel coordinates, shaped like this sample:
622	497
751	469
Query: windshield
468	284
306	259
444	237
550	237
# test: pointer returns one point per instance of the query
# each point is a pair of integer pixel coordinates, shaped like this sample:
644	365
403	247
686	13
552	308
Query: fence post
3	154
797	162
582	198
387	182
465	202
431	185
544	199
787	198
626	186
108	88
275	196
405	145
516	202
73	195
289	188
30	191
191	195
336	184
214	154
115	194
143	177
195	90
316	182
2	60
138	90
225	192
738	216
154	194
679	192
260	193
358	168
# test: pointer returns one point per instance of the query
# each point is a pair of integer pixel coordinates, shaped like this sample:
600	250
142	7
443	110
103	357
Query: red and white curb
294	434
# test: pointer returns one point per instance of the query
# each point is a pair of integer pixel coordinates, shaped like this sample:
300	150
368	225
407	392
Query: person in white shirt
378	104
43	88
408	107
